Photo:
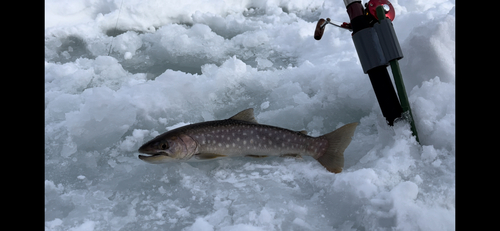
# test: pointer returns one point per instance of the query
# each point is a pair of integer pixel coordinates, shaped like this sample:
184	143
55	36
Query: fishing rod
377	47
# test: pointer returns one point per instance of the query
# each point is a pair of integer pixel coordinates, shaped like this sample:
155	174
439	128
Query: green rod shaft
400	86
403	98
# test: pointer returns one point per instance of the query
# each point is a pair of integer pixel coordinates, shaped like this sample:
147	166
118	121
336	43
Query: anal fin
256	156
296	156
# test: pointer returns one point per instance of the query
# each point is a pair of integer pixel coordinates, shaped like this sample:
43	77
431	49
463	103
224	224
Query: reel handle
320	29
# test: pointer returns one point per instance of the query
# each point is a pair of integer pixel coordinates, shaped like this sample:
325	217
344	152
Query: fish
242	135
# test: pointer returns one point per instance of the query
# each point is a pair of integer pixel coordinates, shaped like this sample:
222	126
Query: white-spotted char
241	135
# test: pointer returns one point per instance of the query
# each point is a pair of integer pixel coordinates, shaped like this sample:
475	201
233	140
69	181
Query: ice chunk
264	105
200	224
102	119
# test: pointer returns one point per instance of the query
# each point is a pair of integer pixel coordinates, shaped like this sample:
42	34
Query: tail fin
338	140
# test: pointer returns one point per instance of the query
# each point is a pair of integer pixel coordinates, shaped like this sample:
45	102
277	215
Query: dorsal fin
303	132
245	115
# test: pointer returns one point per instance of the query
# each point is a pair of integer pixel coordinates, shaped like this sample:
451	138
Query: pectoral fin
208	156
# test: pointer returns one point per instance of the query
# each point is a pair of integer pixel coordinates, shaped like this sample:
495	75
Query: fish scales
241	135
240	138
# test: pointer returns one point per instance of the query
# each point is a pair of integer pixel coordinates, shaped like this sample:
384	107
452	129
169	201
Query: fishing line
116	25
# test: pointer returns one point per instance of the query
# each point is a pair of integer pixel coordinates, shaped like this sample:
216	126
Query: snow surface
174	63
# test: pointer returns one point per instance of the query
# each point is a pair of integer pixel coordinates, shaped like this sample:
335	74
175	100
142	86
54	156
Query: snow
119	73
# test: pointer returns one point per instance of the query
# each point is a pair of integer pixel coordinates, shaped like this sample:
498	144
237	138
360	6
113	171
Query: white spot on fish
220	144
251	141
244	142
227	145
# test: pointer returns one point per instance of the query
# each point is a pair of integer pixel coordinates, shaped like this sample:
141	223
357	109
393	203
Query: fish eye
164	146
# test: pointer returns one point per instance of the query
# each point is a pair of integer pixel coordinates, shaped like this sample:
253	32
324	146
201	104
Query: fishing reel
377	46
370	12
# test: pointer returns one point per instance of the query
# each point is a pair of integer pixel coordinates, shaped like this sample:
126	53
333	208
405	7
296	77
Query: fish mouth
156	158
151	151
152	154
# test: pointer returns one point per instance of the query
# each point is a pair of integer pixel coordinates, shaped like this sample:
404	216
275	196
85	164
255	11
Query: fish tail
338	140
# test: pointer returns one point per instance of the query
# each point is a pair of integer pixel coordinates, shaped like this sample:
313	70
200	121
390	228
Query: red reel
388	8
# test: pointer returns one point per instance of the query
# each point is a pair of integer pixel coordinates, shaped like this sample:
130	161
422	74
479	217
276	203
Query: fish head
168	148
